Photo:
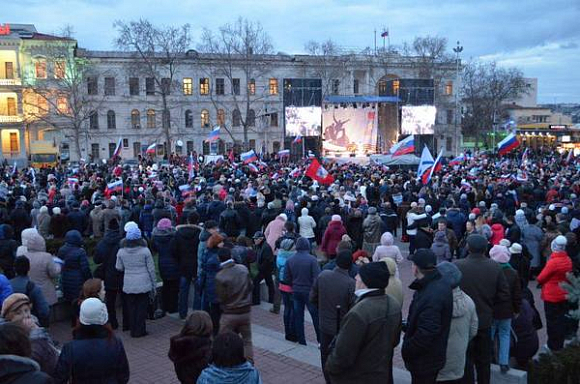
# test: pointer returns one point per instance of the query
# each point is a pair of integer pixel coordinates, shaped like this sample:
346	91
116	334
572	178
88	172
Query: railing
10	119
10	82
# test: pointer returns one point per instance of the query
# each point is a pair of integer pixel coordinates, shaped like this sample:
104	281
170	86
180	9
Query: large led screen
418	120
349	130
304	121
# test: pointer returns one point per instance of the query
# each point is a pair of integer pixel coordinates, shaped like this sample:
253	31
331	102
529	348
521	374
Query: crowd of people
198	240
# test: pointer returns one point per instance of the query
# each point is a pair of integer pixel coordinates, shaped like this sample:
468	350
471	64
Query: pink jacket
274	231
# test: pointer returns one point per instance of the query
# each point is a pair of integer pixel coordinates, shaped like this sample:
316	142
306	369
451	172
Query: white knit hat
93	312
130	224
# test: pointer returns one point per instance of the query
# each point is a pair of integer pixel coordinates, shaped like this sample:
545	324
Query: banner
349	130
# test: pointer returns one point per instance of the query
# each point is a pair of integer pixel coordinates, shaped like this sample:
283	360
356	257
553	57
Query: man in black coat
184	246
77	219
484	281
230	222
265	260
425	343
20	219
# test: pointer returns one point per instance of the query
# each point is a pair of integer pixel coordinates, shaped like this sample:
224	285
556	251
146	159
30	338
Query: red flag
317	172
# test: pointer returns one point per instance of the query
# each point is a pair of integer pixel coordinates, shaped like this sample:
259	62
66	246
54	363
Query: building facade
111	96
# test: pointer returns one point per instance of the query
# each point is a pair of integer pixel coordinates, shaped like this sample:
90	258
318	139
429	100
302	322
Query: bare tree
429	54
59	98
158	53
238	51
329	62
485	88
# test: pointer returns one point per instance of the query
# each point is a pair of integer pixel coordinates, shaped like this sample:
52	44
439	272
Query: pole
457	51
375	41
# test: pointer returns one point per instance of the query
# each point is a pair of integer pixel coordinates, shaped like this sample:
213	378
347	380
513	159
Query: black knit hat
344	259
375	275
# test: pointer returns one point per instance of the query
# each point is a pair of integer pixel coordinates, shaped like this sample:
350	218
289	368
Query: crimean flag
317	172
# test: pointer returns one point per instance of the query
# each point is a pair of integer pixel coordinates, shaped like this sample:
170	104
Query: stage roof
361	99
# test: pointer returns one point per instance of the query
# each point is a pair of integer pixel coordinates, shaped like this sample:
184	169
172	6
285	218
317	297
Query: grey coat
330	289
139	268
532	237
43	270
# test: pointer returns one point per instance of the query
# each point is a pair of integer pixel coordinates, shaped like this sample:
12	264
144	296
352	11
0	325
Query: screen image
304	121
349	130
418	120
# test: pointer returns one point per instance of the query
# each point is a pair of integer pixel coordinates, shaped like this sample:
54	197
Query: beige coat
43	270
395	287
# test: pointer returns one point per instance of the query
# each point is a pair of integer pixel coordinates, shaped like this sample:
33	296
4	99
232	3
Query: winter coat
302	268
110	214
8	248
354	229
58	226
97	223
190	355
234	288
395	286
532	237
483	281
43	269
203	237
106	254
214	210
373	229
527	342
412	218
463	328
40	309
146	219
244	373
210	266
425	342
506	310
93	358
265	258
20	220
388	249
552	275
44	224
21	370
306	224
75	269
184	247
369	332
423	239
78	220
134	258
440	247
332	288
456	220
168	265
5	288
497	233
332	236
274	231
230	222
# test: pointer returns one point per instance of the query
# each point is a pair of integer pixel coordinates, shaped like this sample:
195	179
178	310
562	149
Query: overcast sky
540	37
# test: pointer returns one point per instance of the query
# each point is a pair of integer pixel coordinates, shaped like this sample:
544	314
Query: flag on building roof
151	149
297	139
214	135
403	147
436	167
426	161
317	172
117	151
284	153
248	157
457	160
508	144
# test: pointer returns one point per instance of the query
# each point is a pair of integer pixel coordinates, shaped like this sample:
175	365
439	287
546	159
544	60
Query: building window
40	67
111	120
136	148
135	119
41	105
149	86
204	118
62	105
189	146
59	69
273	86
95	153
166	118
382	88
94	120
205	147
276	146
150	118
125	143
252	144
220	88
251	118
166	85
274	119
221	117
355	86
109	86
335	86
252	87
14	147
396	87
449	144
188	119
92	85
204	86
9	70
112	147
221	147
236	118
449	88
178	150
187	86
11	105
450	116
236	86
133	86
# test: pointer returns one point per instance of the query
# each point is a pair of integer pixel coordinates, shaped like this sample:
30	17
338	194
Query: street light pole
458	49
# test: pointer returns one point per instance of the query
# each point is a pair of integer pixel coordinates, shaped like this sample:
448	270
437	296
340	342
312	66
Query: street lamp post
458	49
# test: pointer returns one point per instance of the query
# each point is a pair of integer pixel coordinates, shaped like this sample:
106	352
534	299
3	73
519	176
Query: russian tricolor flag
253	168
118	148
151	148
190	167
284	153
458	160
298	139
248	157
186	190
214	135
115	186
436	167
403	147
508	144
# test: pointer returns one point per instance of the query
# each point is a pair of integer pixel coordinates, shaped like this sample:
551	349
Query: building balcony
9	82
10	119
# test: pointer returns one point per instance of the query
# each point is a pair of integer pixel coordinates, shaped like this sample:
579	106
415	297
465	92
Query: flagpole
303	148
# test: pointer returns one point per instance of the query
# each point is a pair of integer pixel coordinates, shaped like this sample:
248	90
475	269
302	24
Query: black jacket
184	249
230	223
425	342
507	309
423	239
265	258
77	220
106	254
21	370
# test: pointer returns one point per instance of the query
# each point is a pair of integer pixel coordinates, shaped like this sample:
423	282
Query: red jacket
332	237
497	233
552	275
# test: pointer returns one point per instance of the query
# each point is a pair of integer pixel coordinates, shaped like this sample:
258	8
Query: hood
387	239
36	204
303	244
112	236
460	300
74	238
12	365
36	243
497	227
452	213
335	225
147	207
441	237
165	232
27	234
304	211
243	373
290	205
188	231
